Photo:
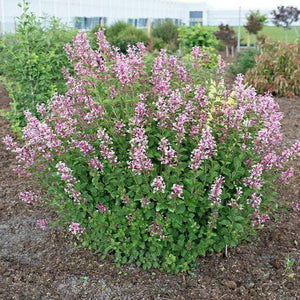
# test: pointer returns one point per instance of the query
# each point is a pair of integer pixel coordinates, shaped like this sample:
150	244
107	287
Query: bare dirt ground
36	264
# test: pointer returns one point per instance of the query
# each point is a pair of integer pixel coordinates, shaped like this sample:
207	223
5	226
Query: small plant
289	263
85	279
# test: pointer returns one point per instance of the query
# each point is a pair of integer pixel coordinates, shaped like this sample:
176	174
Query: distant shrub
277	69
192	36
167	31
121	34
32	62
245	61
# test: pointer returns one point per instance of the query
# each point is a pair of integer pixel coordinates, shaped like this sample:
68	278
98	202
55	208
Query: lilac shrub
153	169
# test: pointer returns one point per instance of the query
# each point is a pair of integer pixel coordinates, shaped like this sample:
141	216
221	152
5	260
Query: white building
87	13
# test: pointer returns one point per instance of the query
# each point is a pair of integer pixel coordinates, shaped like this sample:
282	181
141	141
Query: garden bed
38	264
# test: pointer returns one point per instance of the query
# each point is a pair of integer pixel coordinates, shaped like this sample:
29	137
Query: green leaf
180	209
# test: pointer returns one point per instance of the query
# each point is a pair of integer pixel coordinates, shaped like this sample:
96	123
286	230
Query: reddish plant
277	70
226	34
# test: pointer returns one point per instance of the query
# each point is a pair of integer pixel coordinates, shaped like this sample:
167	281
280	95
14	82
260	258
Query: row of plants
153	168
167	35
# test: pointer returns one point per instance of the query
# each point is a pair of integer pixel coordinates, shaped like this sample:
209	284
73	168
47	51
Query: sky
247	4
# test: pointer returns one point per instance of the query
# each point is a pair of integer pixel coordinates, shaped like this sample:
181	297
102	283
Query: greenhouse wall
85	14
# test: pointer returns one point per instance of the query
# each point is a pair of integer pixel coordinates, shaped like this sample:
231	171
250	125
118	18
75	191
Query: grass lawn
275	33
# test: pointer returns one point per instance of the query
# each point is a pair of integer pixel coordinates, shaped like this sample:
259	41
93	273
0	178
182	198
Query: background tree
285	16
255	23
226	34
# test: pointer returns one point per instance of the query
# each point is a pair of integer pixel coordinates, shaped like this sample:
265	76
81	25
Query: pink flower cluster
177	191
119	128
216	191
83	146
139	162
66	175
128	68
94	163
158	185
75	228
156	229
105	145
255	178
42	223
179	126
169	155
255	201
296	206
144	202
9	142
235	201
205	149
285	175
101	207
258	219
30	197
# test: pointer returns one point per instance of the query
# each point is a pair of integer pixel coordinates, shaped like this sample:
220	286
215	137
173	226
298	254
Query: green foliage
121	34
289	263
99	150
32	62
167	31
277	69
191	36
245	61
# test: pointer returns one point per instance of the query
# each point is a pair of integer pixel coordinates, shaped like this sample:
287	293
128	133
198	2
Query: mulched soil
36	264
